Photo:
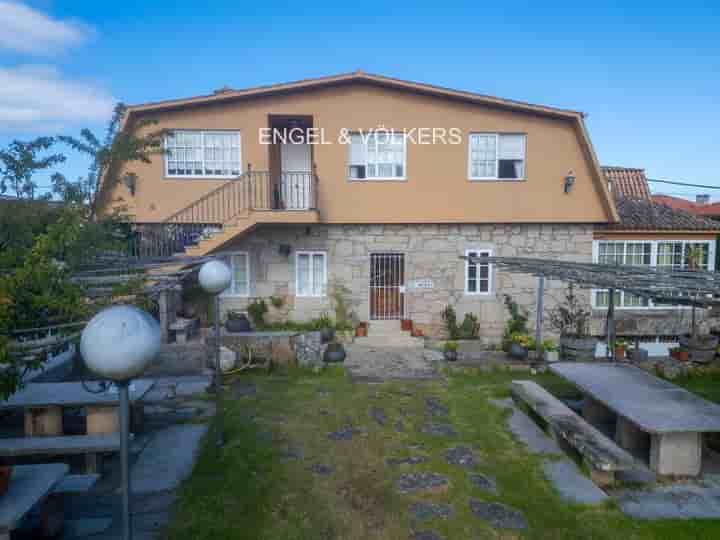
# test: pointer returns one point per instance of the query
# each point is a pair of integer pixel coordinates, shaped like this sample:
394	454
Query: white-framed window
310	273
239	263
496	156
661	254
205	154
478	276
377	156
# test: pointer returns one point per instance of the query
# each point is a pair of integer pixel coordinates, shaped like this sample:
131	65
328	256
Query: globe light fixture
119	343
214	278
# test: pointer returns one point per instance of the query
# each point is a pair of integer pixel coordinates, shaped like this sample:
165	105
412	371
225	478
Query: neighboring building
701	207
648	234
386	217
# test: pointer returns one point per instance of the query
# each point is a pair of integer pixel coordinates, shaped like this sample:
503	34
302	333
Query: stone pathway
379	364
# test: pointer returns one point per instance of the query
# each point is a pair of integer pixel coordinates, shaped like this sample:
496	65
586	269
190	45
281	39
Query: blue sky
647	74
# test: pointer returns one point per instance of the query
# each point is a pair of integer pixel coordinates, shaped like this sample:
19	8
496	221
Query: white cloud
36	97
26	30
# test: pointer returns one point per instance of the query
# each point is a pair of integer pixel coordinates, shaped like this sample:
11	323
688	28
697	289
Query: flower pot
406	325
238	324
518	351
361	330
5	475
327	334
416	332
619	353
579	349
450	356
334	353
552	356
700	349
683	355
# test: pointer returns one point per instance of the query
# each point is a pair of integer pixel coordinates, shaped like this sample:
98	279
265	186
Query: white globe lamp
214	278
119	342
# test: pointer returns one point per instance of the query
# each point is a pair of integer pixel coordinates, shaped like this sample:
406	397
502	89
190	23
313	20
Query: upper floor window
377	156
210	154
496	156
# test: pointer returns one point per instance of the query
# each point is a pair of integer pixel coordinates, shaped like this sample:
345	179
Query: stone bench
89	445
603	457
183	328
76	483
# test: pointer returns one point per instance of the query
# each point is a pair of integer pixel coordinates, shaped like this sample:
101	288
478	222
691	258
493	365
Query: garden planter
238	324
327	334
416	332
682	355
578	349
450	356
637	355
5	475
361	330
552	356
518	352
700	349
619	353
334	353
406	325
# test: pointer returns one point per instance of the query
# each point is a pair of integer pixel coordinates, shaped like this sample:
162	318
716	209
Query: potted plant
700	349
361	330
550	351
635	353
406	325
5	475
416	332
237	321
334	353
519	345
450	351
572	319
620	348
326	327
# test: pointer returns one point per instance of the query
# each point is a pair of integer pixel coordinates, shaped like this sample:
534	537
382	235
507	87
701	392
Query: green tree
19	163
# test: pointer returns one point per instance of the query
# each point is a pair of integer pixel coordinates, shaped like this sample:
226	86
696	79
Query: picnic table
43	404
648	412
29	485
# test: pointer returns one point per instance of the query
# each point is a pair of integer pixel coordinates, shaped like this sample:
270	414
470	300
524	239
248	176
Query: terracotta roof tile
628	183
675	202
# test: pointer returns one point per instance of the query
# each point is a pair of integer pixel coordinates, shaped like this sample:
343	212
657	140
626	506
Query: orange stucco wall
437	188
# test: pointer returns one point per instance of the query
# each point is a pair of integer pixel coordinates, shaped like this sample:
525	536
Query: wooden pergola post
539	315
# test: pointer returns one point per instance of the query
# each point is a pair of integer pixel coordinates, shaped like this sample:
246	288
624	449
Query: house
701	207
652	234
372	183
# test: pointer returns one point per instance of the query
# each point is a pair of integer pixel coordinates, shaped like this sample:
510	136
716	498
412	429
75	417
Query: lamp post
214	278
118	343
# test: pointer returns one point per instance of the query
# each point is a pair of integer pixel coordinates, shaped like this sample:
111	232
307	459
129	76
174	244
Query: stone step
390	341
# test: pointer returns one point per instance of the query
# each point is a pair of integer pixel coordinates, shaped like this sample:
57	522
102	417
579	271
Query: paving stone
571	484
378	415
344	434
167	459
439	430
426	535
527	431
410	460
463	456
672	502
323	412
323	392
483	482
321	469
498	515
425	481
291	453
242	389
425	510
434	407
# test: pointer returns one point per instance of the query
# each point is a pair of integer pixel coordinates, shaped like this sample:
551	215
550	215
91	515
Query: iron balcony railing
150	240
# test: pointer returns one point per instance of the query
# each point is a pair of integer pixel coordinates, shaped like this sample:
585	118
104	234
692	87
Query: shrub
449	317
257	310
516	324
469	327
570	317
450	346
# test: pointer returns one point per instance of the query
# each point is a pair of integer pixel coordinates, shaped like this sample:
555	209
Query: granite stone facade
431	253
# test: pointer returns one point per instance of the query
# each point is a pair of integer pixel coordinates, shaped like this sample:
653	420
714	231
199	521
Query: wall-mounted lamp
130	181
569	182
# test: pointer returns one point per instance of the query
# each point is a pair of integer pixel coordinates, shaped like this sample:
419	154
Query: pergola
688	287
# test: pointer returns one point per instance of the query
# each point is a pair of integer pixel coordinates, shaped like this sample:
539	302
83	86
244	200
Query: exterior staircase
388	334
234	208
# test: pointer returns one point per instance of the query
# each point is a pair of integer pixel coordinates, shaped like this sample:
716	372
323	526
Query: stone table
29	485
646	409
43	403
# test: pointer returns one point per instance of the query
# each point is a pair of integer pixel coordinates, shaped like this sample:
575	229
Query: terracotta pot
683	356
416	332
406	325
5	475
619	353
361	330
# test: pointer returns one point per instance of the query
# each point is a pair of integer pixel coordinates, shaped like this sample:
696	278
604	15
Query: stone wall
431	253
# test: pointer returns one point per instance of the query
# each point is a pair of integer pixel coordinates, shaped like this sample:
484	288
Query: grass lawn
253	490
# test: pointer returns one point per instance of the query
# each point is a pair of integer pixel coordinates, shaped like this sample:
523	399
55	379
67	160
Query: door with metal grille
387	286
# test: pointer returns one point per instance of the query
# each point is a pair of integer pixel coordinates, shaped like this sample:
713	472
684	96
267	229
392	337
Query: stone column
164	320
678	454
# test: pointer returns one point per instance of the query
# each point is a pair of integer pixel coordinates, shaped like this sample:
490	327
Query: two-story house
374	183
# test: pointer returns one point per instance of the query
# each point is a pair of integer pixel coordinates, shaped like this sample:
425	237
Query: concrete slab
29	485
167	459
571	484
527	431
672	502
76	529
